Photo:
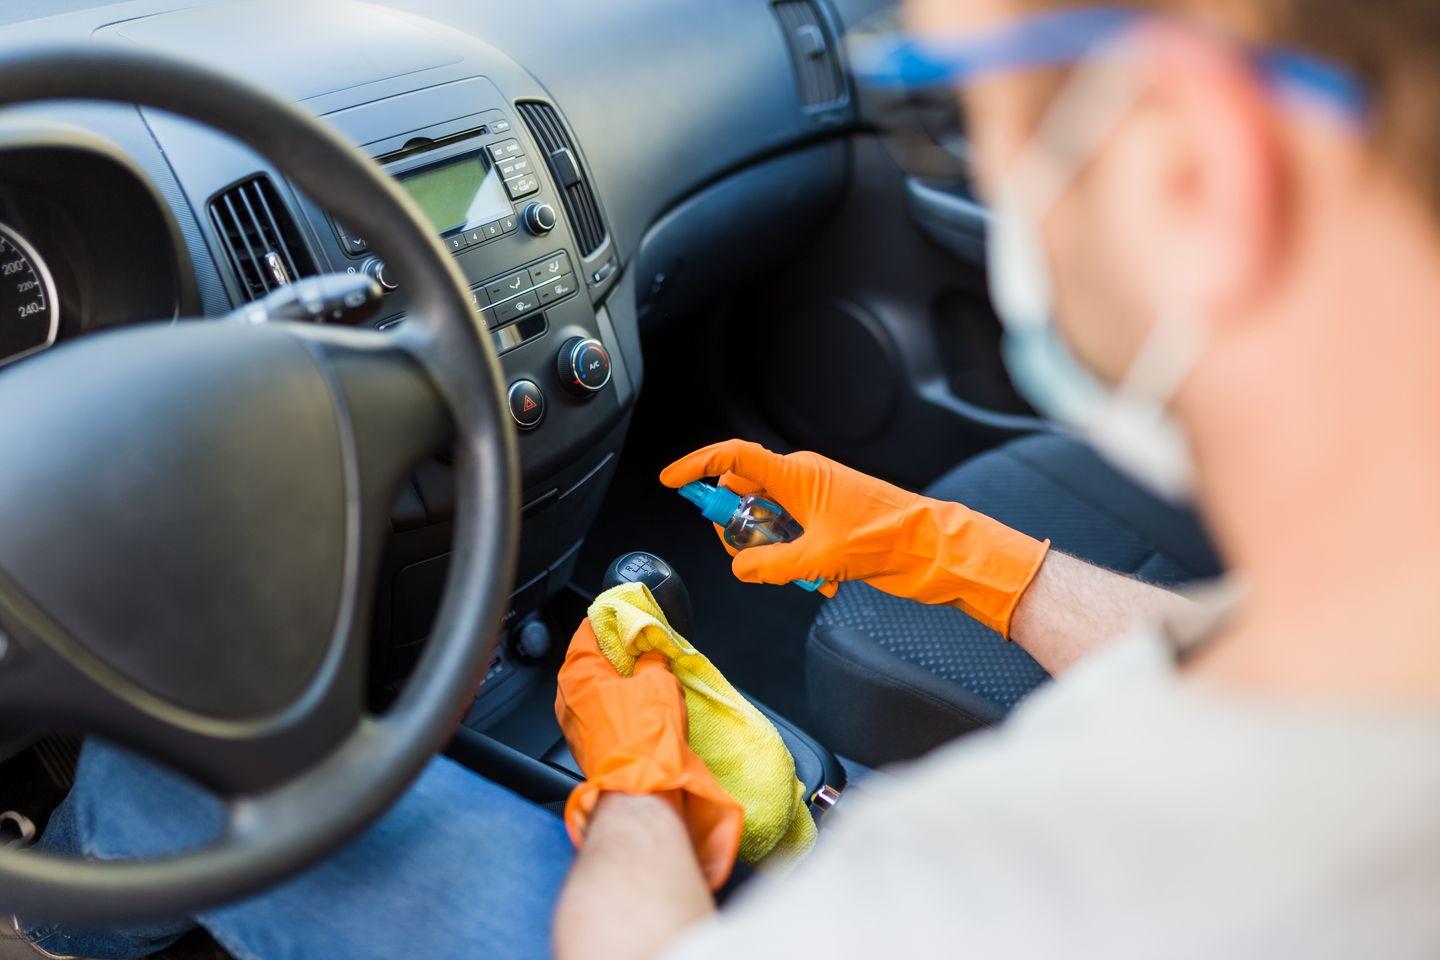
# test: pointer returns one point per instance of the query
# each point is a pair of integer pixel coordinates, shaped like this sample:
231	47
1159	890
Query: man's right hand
861	528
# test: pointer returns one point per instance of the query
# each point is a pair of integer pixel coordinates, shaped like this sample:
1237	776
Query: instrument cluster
29	304
85	243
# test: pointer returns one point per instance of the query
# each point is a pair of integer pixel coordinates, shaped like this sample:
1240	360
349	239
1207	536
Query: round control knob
539	218
584	366
376	270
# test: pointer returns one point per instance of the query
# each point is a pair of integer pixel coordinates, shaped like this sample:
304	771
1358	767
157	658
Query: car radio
466	189
487	187
477	187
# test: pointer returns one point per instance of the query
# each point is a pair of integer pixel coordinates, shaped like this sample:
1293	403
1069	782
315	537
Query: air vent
575	190
260	238
817	69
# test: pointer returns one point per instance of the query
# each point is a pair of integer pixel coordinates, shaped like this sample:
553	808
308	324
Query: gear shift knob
664	583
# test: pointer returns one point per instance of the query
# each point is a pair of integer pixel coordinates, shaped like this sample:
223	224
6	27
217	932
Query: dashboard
574	156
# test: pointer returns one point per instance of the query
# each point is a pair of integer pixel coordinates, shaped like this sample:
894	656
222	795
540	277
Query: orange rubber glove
629	735
860	528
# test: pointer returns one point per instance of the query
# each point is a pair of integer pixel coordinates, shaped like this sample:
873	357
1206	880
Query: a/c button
527	404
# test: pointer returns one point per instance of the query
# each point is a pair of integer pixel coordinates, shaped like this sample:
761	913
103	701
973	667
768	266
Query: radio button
550	268
504	150
508	224
539	218
492	230
522	186
556	289
508	286
354	245
349	242
456	242
513	167
475	235
375	268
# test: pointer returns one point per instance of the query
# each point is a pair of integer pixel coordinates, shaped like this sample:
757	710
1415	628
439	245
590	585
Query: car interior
647	226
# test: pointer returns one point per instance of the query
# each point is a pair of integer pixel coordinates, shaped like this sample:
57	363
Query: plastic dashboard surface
664	96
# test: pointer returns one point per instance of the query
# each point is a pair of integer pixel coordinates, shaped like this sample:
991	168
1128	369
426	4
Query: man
1246	247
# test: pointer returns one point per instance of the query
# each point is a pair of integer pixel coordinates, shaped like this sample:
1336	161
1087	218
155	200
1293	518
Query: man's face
1102	311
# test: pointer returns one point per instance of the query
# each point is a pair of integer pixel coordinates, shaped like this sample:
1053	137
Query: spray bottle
750	521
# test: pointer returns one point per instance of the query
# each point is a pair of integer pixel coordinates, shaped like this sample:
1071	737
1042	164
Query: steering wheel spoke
395	417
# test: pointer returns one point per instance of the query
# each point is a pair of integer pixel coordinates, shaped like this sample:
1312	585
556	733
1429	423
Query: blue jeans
457	868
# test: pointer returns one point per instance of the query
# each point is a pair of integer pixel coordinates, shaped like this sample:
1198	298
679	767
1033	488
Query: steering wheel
192	516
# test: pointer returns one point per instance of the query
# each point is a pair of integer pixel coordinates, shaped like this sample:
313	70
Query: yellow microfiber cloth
737	742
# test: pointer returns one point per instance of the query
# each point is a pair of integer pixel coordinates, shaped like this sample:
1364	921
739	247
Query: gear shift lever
664	583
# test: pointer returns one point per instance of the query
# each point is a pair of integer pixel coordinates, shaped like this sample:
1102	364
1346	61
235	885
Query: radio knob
584	366
376	270
539	218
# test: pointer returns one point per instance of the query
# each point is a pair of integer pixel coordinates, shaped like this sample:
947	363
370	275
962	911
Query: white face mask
1130	426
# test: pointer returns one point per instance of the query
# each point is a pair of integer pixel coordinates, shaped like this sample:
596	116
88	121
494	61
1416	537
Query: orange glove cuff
1028	564
981	565
713	820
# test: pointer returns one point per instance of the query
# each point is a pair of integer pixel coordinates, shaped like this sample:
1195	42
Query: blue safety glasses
922	74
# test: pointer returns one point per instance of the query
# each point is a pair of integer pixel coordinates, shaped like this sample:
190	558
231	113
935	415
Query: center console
504	186
480	190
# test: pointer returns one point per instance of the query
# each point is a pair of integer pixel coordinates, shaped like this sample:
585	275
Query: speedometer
29	309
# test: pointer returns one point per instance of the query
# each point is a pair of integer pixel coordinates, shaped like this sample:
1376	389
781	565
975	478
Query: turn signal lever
329	298
664	583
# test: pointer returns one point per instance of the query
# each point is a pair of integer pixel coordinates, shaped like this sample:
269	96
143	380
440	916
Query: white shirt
1125	812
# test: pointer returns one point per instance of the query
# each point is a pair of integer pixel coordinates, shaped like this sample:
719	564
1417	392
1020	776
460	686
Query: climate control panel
524	290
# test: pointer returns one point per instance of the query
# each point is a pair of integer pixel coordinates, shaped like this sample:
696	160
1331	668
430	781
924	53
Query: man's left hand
628	735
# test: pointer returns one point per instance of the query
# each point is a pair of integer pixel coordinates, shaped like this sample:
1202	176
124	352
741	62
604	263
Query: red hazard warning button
527	404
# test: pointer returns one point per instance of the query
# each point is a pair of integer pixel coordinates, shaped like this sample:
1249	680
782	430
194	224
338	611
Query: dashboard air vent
575	190
817	68
260	238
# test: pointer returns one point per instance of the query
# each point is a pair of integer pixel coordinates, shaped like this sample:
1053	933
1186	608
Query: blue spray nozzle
717	504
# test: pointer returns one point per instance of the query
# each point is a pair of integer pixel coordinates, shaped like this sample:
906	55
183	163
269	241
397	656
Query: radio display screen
458	194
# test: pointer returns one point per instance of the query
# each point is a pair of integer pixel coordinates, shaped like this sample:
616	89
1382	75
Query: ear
1198	177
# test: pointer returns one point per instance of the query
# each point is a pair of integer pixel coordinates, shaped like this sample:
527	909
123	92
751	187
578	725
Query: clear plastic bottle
749	521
